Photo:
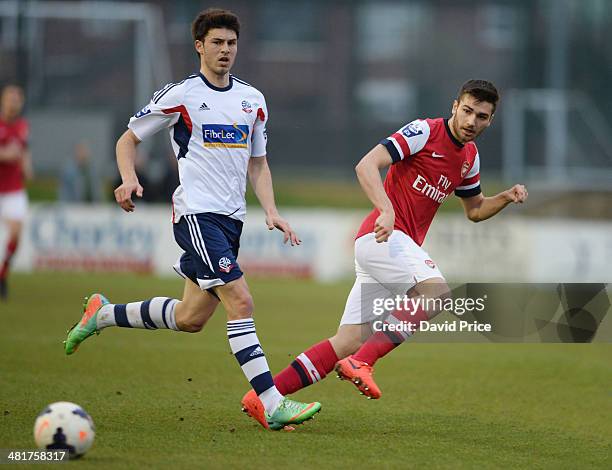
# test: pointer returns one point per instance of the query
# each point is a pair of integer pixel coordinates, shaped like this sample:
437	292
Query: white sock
150	314
247	350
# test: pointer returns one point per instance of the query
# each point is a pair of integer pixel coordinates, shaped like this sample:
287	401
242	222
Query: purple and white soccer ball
64	426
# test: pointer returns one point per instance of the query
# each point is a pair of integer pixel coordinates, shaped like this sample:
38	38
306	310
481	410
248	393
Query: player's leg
383	342
14	231
358	368
245	345
407	269
309	367
213	240
13	210
188	315
314	364
195	309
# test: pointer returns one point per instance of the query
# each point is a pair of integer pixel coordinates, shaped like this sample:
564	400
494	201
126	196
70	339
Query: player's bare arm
11	152
260	178
368	174
479	208
126	156
26	165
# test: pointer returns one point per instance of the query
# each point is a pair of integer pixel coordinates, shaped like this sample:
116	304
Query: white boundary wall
507	248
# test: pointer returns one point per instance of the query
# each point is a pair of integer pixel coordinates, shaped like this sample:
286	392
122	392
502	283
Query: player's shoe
360	374
288	412
291	412
252	406
87	326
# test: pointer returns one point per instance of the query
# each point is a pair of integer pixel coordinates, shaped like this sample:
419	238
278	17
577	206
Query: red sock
11	247
383	342
309	367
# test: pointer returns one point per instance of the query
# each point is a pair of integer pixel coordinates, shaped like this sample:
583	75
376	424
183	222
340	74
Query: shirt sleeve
408	140
163	111
470	186
260	135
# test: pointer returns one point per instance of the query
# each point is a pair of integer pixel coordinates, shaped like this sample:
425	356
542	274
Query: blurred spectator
80	183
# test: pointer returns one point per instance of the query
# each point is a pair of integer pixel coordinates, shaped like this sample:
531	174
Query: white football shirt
214	131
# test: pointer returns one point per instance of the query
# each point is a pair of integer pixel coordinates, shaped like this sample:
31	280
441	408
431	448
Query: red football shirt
11	173
428	165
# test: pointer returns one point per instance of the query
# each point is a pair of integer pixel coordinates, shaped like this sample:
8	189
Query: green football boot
87	325
292	412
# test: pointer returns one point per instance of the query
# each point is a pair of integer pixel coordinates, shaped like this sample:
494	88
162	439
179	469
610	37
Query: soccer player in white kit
428	160
217	129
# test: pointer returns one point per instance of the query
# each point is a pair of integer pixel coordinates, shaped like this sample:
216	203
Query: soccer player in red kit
429	159
15	166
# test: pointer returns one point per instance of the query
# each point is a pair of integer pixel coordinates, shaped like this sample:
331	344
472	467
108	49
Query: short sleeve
260	136
470	186
408	140
162	112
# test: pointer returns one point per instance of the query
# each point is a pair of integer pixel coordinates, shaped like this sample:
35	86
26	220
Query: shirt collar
451	136
216	88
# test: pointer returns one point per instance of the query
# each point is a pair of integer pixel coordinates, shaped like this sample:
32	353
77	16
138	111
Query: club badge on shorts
225	264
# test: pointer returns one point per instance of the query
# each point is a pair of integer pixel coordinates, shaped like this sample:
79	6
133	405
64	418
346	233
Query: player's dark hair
481	90
214	18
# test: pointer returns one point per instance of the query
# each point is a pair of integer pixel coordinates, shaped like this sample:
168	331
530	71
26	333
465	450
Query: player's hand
123	195
516	194
276	221
383	227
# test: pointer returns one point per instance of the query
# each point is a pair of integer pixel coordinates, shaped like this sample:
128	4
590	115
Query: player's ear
455	106
199	46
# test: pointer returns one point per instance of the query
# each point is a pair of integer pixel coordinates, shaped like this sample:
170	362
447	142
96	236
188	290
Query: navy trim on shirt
395	156
450	134
158	95
241	81
216	88
468	192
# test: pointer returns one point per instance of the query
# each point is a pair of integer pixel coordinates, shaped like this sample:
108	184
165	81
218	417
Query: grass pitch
162	398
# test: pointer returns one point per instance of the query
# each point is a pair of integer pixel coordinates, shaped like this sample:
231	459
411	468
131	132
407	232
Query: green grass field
162	398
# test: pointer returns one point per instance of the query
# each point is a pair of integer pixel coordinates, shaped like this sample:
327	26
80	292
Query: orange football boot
253	407
360	374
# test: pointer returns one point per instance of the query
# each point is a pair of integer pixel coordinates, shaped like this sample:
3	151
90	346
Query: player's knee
190	320
352	345
437	289
13	237
242	307
14	231
189	327
190	324
345	344
444	291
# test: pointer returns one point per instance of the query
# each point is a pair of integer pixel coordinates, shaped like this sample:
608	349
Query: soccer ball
64	425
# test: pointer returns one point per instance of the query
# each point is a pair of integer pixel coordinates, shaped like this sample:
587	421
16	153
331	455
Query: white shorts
384	270
14	205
